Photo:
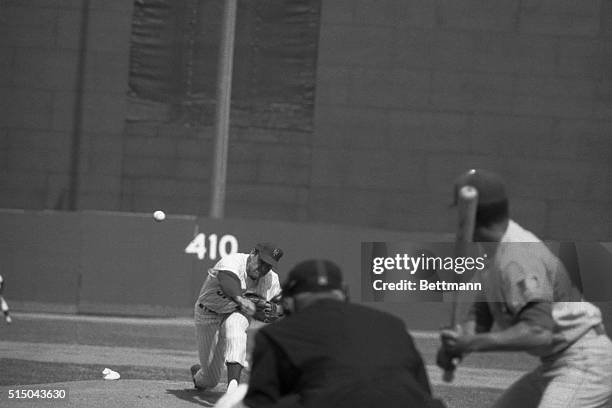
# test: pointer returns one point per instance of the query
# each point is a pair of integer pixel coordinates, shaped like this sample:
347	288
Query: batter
527	293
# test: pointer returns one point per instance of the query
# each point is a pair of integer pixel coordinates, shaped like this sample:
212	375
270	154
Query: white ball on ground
159	215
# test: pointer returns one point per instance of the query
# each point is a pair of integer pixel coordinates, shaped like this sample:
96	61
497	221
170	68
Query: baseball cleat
231	387
194	370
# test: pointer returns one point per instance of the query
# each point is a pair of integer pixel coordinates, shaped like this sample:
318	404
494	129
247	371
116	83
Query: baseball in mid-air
159	215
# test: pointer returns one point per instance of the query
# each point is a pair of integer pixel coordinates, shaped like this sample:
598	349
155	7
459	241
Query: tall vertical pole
224	96
74	189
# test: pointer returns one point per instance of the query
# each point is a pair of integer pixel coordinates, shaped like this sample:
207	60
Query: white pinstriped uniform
221	330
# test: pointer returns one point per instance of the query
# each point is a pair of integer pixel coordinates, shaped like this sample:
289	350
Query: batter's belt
595	331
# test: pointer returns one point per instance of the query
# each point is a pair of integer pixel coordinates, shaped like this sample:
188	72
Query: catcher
238	289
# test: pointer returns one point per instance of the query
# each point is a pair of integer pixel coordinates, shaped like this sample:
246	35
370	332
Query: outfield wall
128	264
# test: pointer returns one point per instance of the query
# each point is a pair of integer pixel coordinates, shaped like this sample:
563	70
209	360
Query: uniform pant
3	305
581	377
221	338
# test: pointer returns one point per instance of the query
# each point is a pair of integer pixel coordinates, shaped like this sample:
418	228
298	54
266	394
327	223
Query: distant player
3	305
529	296
222	312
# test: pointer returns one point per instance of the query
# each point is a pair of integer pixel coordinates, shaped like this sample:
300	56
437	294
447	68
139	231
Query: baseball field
53	351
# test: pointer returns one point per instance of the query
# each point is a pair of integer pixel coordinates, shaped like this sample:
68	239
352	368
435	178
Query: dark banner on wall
174	53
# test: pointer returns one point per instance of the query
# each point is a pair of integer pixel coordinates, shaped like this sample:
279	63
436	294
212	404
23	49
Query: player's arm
533	329
275	294
479	319
230	286
275	287
528	295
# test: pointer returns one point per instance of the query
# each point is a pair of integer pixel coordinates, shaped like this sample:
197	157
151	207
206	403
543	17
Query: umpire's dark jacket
337	354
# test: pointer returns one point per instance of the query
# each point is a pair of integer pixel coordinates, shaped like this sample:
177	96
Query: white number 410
215	246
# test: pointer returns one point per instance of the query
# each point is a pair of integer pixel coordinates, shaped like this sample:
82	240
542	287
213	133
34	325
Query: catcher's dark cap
269	253
314	275
490	186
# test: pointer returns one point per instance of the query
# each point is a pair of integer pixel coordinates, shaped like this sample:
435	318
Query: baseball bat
467	203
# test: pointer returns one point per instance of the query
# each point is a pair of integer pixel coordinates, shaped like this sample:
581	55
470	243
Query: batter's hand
454	342
446	360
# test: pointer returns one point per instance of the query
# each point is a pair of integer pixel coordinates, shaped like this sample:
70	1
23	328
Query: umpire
331	353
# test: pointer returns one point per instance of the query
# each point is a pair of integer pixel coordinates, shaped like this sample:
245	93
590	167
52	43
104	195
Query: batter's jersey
213	298
524	270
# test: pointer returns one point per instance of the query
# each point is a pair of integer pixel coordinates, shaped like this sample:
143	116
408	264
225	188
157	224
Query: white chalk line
153	321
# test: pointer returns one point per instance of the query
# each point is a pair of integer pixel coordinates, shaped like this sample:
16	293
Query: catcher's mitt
265	311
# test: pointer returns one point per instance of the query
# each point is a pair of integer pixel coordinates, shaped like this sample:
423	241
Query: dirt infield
121	393
153	357
177	394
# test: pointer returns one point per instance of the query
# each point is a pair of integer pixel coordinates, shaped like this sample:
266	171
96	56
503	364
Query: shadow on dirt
204	398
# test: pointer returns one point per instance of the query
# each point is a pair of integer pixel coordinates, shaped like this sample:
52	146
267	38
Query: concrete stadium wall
409	93
44	100
412	92
40	259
